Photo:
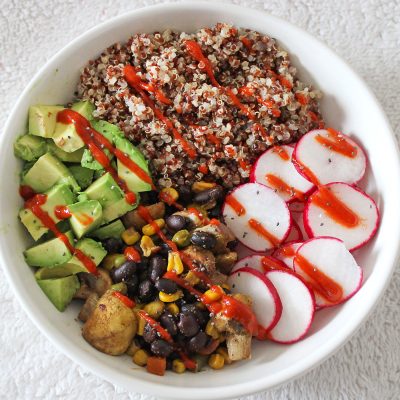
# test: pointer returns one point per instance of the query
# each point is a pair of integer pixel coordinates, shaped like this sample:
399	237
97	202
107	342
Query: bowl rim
158	388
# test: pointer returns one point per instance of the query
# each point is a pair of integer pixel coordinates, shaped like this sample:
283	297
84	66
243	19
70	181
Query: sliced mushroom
133	218
88	307
239	346
203	259
225	262
100	283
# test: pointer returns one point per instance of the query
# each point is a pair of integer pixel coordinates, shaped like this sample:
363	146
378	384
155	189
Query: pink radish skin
287	260
295	233
267	305
271	163
298	307
298	218
358	201
264	205
331	257
297	206
327	165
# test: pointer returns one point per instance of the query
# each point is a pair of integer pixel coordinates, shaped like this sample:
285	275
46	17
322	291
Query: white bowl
347	105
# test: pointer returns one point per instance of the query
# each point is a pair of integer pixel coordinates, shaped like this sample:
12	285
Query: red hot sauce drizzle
235	205
34	204
136	82
269	264
195	51
281	186
320	282
124	299
335	208
337	143
260	229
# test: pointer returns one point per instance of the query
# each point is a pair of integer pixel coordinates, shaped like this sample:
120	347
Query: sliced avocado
98	174
109	131
74	157
49	254
46	172
83	176
105	190
85	217
65	135
135	184
118	209
59	195
114	230
29	147
60	291
91	248
42	120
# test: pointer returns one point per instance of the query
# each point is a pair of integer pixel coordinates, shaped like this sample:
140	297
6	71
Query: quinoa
226	140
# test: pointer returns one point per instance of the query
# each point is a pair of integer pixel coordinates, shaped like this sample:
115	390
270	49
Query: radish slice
329	268
295	233
298	307
257	216
296	206
267	305
275	170
261	263
286	253
342	211
298	218
324	156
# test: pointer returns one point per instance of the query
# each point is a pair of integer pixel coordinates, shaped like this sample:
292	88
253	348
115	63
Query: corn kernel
130	236
154	309
140	357
150	230
212	331
141	325
192	278
201	186
147	245
170	298
216	361
169	195
132	349
112	261
174	263
214	294
173	308
178	366
224	353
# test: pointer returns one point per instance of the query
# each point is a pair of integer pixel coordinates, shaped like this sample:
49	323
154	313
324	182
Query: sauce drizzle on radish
235	205
270	264
260	229
337	143
281	186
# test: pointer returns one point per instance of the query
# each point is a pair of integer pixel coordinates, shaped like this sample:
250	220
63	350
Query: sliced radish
298	218
342	211
296	206
295	233
259	262
257	216
329	268
286	253
267	305
275	169
298	307
324	156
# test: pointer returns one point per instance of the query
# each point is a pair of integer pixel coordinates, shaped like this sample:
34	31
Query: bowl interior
347	105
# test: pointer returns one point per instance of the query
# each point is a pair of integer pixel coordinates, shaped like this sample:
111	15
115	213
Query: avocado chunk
59	195
60	291
65	135
84	176
113	230
90	247
46	172
74	157
118	209
109	131
29	147
85	216
49	254
42	120
134	183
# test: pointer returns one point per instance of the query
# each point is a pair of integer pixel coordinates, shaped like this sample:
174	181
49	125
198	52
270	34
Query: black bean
124	272
188	324
185	196
196	343
232	245
113	245
204	240
161	348
166	286
132	285
215	212
214	194
146	290
189	297
201	316
149	333
149	197
164	249
144	275
168	322
157	267
176	223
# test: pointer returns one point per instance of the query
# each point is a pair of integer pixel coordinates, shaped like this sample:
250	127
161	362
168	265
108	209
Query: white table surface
365	33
